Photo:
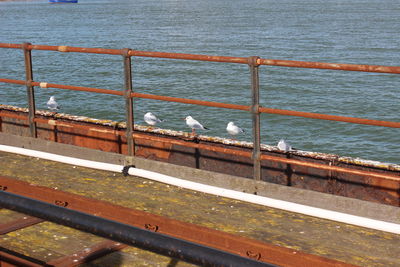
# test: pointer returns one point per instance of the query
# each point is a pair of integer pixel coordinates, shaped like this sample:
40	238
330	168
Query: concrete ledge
300	196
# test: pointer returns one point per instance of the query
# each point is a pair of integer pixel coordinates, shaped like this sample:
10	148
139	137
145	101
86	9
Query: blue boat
63	1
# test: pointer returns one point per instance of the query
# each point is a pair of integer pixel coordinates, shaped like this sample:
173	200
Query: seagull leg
194	134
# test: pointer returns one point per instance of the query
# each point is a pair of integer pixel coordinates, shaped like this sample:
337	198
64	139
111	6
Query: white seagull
284	146
52	104
233	129
151	119
194	124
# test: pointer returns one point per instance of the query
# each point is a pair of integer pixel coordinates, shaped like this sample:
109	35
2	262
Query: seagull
233	129
194	124
151	119
284	146
52	104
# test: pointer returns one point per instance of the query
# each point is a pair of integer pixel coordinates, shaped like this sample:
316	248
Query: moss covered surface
46	241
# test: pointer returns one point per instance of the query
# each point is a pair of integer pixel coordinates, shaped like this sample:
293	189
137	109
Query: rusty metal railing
253	62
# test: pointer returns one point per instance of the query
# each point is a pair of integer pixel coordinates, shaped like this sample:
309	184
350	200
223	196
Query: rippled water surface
360	32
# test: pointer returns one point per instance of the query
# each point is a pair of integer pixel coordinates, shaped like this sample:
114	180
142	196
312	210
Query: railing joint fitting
26	46
125	52
255	109
29	83
128	94
62	48
253	61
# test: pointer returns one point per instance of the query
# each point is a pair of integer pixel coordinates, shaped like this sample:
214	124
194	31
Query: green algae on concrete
347	243
57	241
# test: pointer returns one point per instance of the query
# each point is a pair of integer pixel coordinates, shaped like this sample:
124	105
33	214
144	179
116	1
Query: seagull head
52	97
231	123
188	118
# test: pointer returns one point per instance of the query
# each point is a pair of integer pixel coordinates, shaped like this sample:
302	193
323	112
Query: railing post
128	101
29	89
255	93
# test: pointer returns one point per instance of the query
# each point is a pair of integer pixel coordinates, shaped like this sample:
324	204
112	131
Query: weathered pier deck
47	242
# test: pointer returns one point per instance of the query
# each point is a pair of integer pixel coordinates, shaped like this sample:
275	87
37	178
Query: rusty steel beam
231	151
235	152
272	158
17	224
239	245
10	258
394	178
88	254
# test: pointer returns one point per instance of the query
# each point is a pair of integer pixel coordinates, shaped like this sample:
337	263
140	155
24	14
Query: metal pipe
130	235
30	89
241	60
191	101
128	102
318	116
330	66
232	243
255	110
79	88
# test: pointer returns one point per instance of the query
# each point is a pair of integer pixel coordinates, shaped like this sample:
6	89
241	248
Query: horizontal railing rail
254	108
240	60
390	124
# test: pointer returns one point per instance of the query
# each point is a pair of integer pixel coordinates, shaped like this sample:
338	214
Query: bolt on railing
254	108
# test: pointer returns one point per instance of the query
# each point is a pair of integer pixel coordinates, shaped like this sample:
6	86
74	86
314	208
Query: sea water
337	31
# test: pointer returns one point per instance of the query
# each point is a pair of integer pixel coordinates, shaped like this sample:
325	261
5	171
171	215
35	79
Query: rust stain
100	140
153	149
350	177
